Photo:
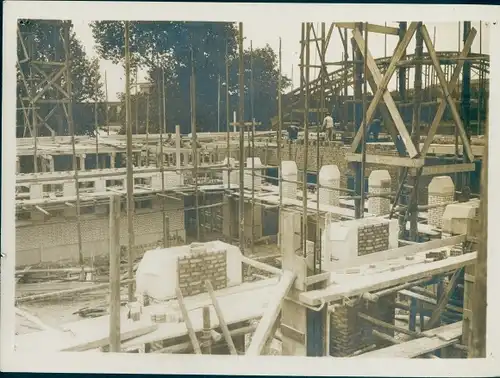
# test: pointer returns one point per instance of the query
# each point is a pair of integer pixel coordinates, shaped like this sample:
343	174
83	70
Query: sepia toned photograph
315	189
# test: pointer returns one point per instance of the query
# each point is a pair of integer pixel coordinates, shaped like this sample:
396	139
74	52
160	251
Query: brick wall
373	238
193	270
349	333
56	239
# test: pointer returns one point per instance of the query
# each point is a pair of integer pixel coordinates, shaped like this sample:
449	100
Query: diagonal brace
451	87
447	94
389	101
382	86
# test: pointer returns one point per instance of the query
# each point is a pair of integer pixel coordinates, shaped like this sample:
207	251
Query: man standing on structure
328	126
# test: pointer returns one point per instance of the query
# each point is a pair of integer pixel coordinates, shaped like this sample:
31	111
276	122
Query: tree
42	43
168	49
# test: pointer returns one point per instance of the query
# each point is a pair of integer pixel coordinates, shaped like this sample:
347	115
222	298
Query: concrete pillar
100	187
257	180
112	160
36	192
441	190
82	161
289	171
379	182
329	176
18	165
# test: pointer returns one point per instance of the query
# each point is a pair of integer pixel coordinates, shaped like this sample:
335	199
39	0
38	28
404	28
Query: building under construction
247	242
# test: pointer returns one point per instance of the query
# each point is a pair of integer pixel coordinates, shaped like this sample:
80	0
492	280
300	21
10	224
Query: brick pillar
441	190
289	171
379	182
329	176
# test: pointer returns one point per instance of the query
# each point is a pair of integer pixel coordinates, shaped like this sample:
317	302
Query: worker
374	129
328	126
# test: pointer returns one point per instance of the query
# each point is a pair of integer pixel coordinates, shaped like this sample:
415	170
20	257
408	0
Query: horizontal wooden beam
359	285
387	160
372	28
444	169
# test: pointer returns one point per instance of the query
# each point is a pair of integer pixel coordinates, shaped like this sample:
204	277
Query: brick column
441	190
379	182
329	176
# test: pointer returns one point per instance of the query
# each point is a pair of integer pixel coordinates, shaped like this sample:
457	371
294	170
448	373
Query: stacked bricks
349	333
289	172
379	182
257	180
441	190
193	270
373	238
329	176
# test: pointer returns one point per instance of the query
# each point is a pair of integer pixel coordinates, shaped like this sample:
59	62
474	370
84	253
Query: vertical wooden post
130	173
166	232
242	138
206	344
306	44
114	273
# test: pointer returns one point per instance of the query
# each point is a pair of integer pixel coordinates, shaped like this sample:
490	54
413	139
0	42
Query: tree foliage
42	42
170	51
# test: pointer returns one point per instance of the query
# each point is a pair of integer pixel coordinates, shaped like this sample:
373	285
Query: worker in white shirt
328	126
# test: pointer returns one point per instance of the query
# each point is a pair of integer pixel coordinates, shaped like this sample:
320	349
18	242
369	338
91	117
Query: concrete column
51	163
36	192
329	176
379	182
248	174
18	165
289	171
100	187
112	160
441	190
82	161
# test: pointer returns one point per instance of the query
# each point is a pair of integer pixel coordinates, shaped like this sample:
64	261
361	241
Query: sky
446	37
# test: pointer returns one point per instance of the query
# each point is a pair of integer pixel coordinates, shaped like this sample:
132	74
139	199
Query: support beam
372	28
222	322
432	170
387	160
382	85
389	101
267	323
443	301
187	320
447	94
114	273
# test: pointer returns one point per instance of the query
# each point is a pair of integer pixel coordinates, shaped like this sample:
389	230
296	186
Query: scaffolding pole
194	147
130	173
241	95
306	138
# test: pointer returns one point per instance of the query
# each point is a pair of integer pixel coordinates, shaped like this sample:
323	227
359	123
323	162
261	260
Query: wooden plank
389	101
222	322
293	333
444	169
362	284
448	332
436	314
387	160
407	250
447	94
260	265
410	349
451	88
382	86
393	327
311	280
124	335
187	321
372	28
267	323
34	319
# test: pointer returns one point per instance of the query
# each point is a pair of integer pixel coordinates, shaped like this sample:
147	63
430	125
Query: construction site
250	242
